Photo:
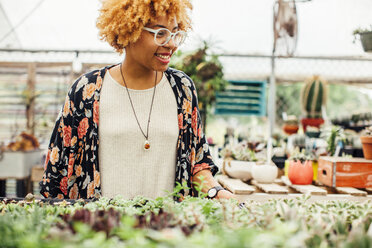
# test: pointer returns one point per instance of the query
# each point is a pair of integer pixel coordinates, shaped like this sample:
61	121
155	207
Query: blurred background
272	46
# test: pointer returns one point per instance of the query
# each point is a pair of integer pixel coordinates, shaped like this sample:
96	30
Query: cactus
314	97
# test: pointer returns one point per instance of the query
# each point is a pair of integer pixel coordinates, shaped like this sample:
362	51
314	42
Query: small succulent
368	131
302	156
238	151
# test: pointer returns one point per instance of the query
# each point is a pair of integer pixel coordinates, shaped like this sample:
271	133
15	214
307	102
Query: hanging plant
207	73
365	36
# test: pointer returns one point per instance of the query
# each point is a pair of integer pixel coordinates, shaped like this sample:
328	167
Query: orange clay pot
290	129
367	146
300	173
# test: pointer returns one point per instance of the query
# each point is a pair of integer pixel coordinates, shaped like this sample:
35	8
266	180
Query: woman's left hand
225	194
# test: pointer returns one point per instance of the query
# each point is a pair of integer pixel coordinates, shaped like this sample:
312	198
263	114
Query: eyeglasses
162	36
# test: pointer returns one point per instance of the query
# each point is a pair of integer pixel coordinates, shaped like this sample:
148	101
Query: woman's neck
137	77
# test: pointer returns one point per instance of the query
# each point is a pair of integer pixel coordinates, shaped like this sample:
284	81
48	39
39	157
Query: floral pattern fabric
71	168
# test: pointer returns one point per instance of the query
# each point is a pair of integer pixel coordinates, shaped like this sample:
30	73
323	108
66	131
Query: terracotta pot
264	173
300	173
367	146
290	129
313	122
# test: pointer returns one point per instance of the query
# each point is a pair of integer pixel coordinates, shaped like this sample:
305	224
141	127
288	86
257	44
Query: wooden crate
345	172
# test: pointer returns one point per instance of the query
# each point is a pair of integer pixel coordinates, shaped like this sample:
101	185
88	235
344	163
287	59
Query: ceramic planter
279	161
237	169
367	146
312	134
300	173
18	164
366	39
314	164
313	122
264	173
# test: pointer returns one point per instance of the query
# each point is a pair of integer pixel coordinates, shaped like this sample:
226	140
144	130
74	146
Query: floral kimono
71	168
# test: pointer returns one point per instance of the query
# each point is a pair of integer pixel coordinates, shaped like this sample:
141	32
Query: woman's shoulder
179	77
93	77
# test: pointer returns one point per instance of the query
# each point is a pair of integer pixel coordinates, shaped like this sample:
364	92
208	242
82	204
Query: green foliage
362	30
194	222
342	100
205	70
288	96
199	186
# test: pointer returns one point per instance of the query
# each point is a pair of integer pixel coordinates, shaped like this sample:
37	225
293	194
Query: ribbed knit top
126	168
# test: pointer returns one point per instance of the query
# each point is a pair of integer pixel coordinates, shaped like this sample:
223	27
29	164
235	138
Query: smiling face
145	53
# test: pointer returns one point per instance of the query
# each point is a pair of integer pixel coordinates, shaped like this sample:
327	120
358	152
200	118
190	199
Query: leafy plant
361	30
207	73
194	222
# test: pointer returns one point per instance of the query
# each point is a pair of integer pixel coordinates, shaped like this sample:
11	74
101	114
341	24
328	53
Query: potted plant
267	171
312	132
238	160
300	169
291	125
366	139
264	172
279	157
365	36
313	99
19	156
207	73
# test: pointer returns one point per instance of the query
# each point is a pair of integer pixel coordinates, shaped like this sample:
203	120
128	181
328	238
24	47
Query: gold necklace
146	145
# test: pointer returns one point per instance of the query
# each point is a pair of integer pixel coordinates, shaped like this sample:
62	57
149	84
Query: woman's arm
57	167
207	181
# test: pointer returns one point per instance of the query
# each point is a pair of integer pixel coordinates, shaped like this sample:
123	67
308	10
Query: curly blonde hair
120	22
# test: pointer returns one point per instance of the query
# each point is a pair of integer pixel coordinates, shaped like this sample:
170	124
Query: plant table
316	192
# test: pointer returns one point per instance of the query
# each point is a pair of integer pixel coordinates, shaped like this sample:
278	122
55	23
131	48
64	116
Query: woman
132	128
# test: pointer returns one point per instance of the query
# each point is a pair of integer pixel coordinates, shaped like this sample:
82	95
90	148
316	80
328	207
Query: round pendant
146	146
